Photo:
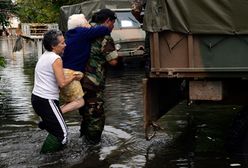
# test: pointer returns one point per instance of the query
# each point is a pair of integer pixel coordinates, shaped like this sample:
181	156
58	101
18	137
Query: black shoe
41	125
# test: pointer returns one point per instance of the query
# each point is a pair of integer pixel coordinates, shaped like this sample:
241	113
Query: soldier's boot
51	144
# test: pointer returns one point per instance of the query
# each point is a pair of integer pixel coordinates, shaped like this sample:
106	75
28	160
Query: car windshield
125	19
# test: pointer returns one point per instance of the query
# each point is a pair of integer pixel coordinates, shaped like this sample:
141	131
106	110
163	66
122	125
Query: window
125	19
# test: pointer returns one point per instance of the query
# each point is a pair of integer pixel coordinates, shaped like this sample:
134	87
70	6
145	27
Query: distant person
18	43
102	52
6	31
137	7
79	36
49	78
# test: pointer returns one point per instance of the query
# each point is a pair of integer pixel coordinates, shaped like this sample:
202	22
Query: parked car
128	34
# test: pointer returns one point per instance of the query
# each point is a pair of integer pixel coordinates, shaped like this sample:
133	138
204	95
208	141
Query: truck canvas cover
87	8
197	16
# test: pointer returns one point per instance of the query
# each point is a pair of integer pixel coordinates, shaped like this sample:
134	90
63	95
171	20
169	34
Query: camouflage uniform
102	51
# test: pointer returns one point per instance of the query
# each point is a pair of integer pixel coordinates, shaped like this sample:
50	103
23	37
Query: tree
36	11
2	62
66	2
7	9
40	11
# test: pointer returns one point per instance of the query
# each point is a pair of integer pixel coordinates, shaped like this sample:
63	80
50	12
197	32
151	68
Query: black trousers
51	115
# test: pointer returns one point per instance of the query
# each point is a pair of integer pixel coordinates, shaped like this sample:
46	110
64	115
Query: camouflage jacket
102	51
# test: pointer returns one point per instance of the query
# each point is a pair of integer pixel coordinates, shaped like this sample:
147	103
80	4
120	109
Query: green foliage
2	62
40	11
66	2
7	8
36	11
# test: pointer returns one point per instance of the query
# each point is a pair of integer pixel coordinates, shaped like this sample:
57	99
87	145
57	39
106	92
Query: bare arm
59	74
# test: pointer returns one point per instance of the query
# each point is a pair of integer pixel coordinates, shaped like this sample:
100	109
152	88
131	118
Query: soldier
138	7
102	51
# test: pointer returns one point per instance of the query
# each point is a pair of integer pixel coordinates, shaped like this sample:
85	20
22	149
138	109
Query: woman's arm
59	74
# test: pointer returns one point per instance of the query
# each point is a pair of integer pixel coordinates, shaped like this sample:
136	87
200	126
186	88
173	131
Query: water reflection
123	96
15	85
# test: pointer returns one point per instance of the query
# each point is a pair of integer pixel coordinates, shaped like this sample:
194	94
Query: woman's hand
78	75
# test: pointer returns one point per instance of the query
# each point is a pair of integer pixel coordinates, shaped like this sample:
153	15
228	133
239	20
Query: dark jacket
78	44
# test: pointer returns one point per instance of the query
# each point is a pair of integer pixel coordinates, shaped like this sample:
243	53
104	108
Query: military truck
198	52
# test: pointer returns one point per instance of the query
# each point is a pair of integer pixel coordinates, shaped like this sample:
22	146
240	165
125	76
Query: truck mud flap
160	95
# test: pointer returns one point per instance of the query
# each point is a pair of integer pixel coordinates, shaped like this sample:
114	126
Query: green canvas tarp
87	8
197	16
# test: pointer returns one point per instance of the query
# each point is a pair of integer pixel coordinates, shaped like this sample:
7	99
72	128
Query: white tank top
45	84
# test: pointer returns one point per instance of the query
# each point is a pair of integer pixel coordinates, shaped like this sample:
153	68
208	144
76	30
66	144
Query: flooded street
193	136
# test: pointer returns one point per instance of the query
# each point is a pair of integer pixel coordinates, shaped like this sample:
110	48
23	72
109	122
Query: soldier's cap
76	20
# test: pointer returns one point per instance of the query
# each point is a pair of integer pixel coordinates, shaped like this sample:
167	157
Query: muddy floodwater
192	136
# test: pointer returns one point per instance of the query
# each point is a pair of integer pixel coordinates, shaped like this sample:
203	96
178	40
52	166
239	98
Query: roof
197	16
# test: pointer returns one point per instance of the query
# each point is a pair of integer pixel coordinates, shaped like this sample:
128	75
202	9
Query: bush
2	62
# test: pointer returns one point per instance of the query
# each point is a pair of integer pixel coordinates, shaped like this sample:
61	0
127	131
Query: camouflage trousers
93	121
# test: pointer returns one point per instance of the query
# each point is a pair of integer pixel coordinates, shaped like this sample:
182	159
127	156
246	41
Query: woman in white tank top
49	78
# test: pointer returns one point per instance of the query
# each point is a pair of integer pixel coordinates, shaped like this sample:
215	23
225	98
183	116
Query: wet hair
102	15
50	39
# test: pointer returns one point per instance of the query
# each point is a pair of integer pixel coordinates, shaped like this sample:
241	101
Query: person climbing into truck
137	10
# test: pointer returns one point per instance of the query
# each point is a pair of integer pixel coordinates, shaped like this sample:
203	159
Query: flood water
193	136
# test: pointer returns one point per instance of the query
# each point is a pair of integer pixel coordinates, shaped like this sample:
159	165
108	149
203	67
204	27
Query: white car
128	35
